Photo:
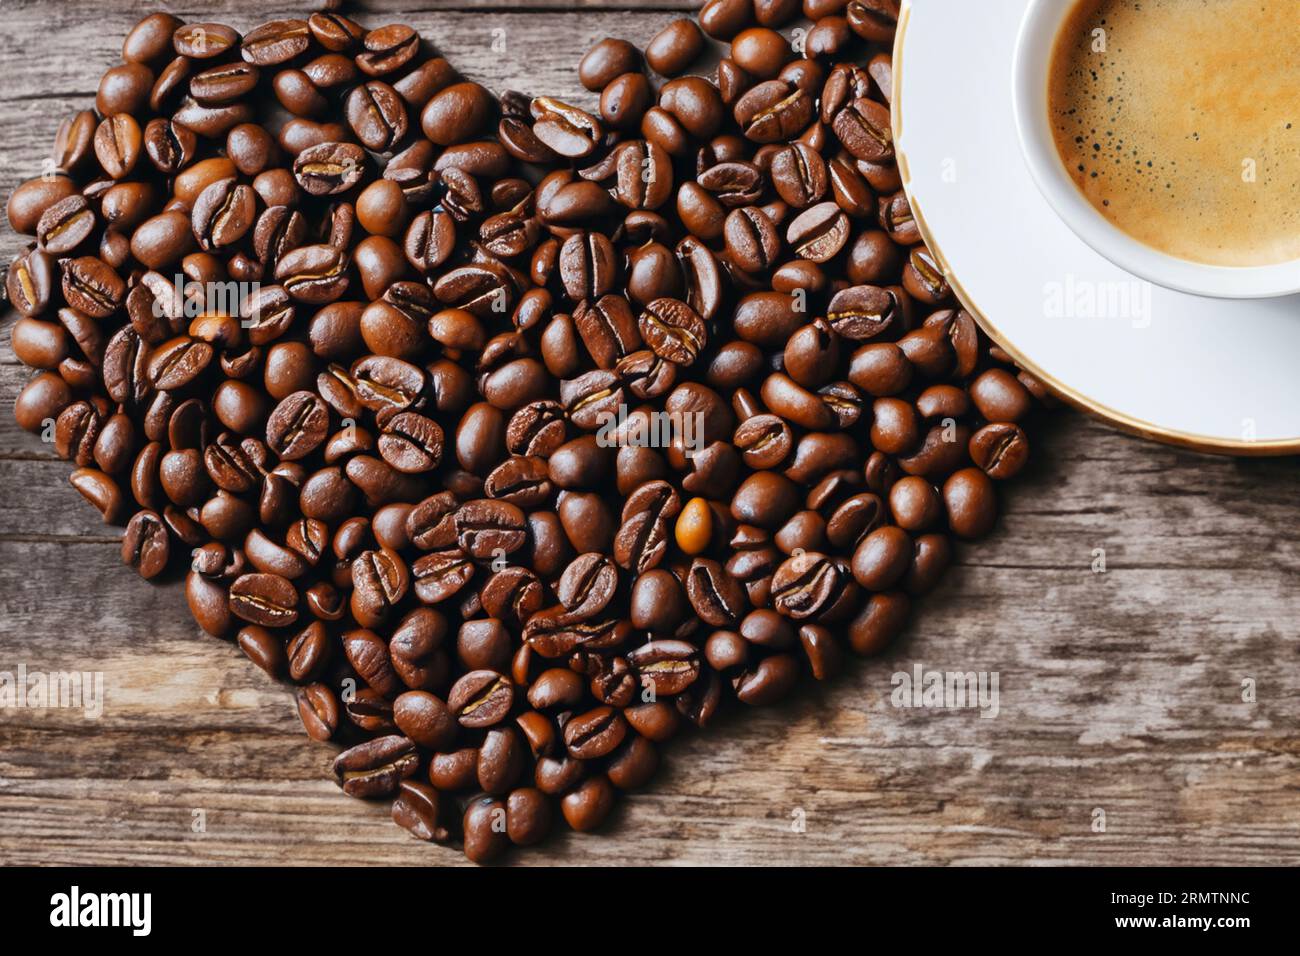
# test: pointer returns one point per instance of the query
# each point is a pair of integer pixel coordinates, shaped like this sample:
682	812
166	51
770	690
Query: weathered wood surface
1119	692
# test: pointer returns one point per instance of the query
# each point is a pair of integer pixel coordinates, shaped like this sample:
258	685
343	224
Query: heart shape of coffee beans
517	436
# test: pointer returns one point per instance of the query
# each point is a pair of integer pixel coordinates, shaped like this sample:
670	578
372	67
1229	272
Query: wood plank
1119	691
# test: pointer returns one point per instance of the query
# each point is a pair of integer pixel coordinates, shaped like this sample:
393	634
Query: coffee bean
377	767
145	545
1000	449
673	331
223	213
327	169
377	115
265	599
481	698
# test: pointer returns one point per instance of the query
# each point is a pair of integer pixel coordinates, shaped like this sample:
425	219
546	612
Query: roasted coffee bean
1000	449
643	536
145	545
380	580
874	20
223	213
1000	396
567	130
118	142
411	443
751	239
863	128
819	233
715	595
297	426
481	699
595	733
588	266
265	599
608	329
314	274
387	49
606	60
30	282
327	169
971	503
65	225
376	767
377	115
318	710
773	111
92	287
673	331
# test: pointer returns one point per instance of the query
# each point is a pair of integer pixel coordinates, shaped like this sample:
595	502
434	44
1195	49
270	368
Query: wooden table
1121	693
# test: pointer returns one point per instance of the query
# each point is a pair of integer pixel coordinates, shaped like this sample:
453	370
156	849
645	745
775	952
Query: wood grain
1119	692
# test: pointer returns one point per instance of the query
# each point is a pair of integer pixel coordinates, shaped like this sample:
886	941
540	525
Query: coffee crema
1179	120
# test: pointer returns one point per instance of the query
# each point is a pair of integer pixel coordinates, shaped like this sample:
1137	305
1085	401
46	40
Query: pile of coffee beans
517	435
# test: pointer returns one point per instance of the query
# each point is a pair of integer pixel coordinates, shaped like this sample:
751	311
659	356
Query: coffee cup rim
1034	48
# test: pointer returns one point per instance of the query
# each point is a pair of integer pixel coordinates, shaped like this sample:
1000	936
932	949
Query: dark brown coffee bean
91	287
773	111
177	362
716	596
65	225
588	585
380	580
1000	449
314	274
863	128
751	238
819	233
874	20
643	536
265	599
411	443
673	331
488	528
377	767
224	84
799	175
118	142
145	545
608	329
223	214
377	115
442	574
30	282
595	733
481	699
276	42
387	49
862	312
327	169
568	130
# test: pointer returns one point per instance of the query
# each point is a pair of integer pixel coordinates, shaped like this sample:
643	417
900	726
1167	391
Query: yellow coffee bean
694	526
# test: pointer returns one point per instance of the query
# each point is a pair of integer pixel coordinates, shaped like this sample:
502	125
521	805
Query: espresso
1179	120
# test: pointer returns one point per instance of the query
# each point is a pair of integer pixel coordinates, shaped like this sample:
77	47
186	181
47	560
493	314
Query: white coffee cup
1033	56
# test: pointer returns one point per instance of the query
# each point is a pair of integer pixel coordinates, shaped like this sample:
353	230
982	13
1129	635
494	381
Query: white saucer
1211	374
